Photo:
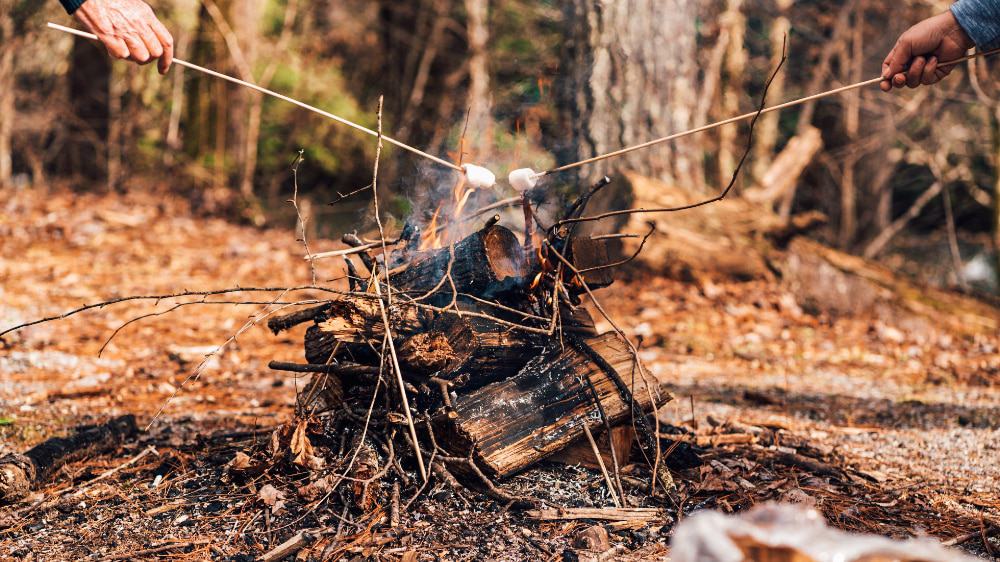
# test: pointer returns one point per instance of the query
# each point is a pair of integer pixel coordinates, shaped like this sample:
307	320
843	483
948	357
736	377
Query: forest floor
884	426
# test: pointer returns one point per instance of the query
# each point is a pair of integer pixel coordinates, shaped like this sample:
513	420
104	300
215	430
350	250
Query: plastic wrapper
788	533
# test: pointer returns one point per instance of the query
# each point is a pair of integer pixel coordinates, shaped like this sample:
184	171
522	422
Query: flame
431	238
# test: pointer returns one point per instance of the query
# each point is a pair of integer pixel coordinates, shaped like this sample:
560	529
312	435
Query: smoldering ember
496	281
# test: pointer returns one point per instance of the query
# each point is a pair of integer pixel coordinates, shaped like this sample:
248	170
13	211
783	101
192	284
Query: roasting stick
744	117
272	93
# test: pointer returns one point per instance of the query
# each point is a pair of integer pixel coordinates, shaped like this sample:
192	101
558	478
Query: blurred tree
628	74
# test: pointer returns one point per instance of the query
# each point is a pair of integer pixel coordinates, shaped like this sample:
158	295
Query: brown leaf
301	446
317	489
272	497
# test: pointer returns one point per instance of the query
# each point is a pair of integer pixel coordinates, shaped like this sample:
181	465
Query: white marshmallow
522	179
478	177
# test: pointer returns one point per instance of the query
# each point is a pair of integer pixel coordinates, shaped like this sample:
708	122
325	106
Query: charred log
486	263
19	473
517	422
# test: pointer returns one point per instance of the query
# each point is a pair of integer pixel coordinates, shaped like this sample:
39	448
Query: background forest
910	178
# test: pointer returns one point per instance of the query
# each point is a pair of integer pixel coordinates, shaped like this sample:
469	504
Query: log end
17	473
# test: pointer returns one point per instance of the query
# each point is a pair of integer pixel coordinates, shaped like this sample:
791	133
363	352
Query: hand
129	30
914	59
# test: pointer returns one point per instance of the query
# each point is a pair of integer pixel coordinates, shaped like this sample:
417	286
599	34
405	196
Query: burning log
487	263
519	421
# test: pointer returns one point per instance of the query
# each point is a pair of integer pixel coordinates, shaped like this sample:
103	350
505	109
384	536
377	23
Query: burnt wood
470	352
486	263
19	473
514	423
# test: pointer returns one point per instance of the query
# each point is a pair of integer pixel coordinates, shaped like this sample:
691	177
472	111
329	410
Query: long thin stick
746	116
383	306
272	93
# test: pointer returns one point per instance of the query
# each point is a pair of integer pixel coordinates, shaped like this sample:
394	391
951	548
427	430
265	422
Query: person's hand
129	30
914	60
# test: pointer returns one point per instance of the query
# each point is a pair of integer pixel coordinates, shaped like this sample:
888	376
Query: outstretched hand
914	60
129	30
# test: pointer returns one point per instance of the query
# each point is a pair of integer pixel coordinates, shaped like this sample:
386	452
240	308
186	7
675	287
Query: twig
600	463
298	213
108	473
383	305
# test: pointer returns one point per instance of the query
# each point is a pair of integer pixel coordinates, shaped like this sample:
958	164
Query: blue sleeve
980	19
71	5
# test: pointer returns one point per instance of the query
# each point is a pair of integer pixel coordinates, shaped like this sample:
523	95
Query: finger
929	75
167	42
898	80
885	64
135	46
915	72
115	46
151	42
901	54
885	85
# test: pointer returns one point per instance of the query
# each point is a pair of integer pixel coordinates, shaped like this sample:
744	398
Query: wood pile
500	363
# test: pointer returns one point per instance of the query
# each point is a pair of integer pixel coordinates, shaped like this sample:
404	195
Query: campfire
493	361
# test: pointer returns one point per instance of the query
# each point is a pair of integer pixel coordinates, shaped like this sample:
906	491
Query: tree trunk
7	47
767	131
736	63
480	129
89	83
628	75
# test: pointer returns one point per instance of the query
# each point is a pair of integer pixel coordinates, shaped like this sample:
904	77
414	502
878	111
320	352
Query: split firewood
20	473
516	422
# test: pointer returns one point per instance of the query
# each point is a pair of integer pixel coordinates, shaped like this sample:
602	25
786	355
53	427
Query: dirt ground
884	426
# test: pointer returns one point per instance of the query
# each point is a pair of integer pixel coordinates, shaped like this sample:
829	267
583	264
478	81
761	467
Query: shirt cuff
71	5
981	21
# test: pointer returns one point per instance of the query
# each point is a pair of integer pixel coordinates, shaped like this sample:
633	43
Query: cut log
19	473
517	422
470	352
486	263
586	253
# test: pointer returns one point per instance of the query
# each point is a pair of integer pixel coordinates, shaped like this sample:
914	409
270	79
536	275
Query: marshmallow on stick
478	177
522	179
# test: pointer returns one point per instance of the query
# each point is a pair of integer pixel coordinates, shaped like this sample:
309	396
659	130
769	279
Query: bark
514	423
486	263
735	66
852	119
628	75
480	129
7	79
86	152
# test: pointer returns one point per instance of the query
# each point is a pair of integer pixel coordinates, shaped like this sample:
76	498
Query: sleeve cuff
71	5
981	21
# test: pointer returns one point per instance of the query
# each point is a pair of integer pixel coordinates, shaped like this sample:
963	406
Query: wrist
72	6
957	33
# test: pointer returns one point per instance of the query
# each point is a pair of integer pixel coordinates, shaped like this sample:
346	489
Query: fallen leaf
315	490
272	497
301	446
240	462
6	421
